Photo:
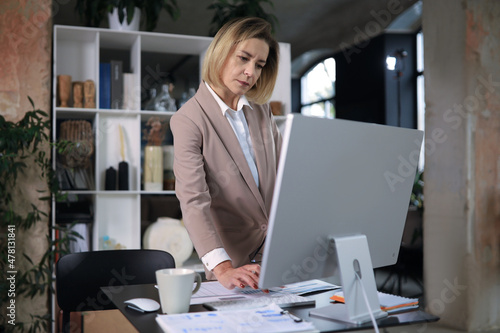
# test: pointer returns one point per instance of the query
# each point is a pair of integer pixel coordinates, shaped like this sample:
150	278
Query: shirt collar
223	106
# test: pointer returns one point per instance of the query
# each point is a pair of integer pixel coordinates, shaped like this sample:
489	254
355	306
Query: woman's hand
230	277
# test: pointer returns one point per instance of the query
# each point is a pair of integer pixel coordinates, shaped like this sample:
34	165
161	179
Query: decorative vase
114	20
169	235
153	168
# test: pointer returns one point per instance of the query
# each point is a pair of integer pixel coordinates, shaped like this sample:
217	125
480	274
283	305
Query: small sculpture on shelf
89	93
64	90
164	101
108	243
77	94
150	104
186	96
153	156
155	131
183	99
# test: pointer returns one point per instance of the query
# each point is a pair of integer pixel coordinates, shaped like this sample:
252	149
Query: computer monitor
339	207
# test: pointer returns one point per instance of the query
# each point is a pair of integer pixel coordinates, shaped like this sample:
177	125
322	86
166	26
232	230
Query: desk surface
147	323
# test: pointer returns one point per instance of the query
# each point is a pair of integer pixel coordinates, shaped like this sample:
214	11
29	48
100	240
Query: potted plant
417	192
23	148
93	12
413	232
226	10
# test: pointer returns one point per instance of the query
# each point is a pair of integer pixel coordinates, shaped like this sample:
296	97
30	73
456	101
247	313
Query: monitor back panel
337	177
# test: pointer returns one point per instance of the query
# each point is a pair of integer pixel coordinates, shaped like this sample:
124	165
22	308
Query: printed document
269	319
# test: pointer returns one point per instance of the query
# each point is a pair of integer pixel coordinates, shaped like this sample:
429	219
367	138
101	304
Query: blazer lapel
225	132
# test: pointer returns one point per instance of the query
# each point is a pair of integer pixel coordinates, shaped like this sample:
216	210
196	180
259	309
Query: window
318	90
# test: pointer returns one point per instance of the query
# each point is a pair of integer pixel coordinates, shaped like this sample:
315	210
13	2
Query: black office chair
79	277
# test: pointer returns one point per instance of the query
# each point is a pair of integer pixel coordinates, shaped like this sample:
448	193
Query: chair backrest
79	276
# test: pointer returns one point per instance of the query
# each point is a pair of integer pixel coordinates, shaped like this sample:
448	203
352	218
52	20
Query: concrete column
462	171
25	70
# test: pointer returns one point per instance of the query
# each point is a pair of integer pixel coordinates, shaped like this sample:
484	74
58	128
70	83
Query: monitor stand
353	257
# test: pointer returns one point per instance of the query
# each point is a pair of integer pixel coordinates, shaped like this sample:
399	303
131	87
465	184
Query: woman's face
242	69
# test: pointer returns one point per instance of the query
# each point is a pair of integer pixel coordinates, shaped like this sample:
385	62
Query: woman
226	152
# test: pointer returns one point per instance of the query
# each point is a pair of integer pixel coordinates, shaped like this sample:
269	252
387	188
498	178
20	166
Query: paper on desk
310	286
213	291
263	320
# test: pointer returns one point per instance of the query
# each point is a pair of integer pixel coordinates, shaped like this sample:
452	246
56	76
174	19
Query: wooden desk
146	322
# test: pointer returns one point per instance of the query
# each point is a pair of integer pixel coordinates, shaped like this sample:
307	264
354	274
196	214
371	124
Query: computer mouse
143	304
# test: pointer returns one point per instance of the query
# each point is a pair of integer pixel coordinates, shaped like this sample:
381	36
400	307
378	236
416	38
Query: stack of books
117	90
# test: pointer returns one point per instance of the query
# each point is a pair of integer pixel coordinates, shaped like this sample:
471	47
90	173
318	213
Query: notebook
388	302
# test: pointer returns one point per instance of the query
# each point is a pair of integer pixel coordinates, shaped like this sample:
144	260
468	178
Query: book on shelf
130	99
105	85
116	84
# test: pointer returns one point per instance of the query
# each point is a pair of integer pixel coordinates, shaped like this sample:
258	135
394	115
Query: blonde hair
223	44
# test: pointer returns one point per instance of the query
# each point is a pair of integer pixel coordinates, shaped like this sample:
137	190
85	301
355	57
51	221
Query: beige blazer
220	201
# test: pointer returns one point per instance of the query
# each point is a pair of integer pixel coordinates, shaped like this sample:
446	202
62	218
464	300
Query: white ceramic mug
175	286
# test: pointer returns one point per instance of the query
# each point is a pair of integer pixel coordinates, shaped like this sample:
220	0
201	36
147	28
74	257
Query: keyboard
282	300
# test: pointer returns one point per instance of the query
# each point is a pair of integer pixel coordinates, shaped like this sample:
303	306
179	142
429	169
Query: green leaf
31	102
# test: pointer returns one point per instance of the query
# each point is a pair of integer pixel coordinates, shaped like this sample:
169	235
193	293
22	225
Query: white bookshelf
78	52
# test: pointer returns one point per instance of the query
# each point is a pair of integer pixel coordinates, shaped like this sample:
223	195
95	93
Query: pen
294	317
